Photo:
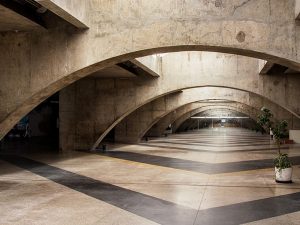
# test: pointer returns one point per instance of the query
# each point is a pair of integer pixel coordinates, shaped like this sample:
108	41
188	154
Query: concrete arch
236	106
133	128
160	126
178	122
225	28
119	98
192	124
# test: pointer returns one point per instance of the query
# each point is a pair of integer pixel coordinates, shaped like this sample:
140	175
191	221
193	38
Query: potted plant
265	119
283	166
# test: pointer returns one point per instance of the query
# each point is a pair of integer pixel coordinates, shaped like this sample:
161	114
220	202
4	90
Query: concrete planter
284	175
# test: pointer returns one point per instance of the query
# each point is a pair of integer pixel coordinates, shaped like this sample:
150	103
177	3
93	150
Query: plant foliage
264	119
279	130
282	161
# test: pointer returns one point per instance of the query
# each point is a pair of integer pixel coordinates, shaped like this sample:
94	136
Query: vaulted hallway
173	112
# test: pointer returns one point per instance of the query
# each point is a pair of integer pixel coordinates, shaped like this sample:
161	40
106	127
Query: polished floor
213	176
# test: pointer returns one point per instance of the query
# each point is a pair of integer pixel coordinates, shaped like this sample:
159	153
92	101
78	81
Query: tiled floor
220	176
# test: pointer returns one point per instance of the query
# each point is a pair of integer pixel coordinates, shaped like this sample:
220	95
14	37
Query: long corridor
211	177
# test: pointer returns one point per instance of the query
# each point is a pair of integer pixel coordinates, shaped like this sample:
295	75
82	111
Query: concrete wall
295	136
39	63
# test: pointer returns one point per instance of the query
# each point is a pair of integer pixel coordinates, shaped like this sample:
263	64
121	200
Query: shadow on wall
39	128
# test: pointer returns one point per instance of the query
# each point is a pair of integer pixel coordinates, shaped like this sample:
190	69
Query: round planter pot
284	175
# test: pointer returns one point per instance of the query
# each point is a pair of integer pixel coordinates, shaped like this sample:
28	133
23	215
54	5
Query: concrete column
67	119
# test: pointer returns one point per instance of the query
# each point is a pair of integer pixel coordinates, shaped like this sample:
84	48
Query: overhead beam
24	10
144	68
265	67
138	68
66	13
269	68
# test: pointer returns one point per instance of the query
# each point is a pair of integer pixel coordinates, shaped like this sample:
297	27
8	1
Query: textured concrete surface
263	29
200	50
74	12
112	100
103	100
12	21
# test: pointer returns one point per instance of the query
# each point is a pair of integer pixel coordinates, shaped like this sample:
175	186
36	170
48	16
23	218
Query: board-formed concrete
118	31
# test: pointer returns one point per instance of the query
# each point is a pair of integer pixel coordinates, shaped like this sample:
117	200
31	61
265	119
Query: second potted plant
283	166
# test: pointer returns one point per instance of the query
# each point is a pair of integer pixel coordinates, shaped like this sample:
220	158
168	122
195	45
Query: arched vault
133	127
35	65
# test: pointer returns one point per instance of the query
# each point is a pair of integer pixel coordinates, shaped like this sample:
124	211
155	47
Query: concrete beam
19	17
146	70
265	66
139	69
70	11
269	68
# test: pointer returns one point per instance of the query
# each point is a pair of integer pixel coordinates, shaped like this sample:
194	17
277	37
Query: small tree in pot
283	166
265	119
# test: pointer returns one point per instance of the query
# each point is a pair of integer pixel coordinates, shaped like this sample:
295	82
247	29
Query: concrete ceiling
127	69
220	112
12	21
113	72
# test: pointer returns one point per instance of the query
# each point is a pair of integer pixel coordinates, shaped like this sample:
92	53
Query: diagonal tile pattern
157	210
138	184
201	167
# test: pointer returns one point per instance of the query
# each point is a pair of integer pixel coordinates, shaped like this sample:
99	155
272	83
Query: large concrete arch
160	126
108	101
226	27
187	125
134	127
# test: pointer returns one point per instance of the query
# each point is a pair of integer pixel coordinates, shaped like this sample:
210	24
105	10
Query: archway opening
218	118
38	131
